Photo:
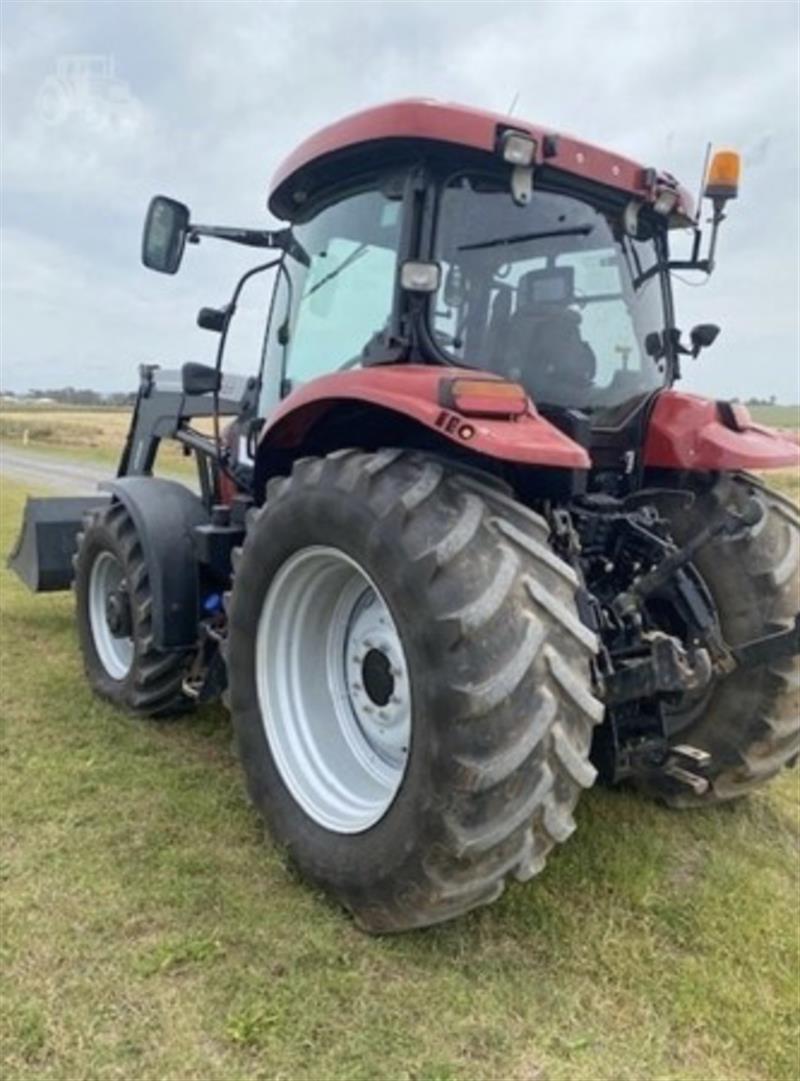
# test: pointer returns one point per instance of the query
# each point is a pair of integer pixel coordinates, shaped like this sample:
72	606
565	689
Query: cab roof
423	120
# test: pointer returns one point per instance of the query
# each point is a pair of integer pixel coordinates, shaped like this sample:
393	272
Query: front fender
166	514
413	391
694	433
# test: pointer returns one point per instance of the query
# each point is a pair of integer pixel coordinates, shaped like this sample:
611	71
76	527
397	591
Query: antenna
513	104
702	184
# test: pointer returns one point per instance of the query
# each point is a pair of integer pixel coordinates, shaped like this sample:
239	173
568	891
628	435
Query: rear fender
166	514
412	391
688	432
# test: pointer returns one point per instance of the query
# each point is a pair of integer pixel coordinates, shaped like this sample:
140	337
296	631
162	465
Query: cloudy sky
202	100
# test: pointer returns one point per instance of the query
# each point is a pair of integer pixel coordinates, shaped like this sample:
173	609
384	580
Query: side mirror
165	230
212	319
704	334
200	379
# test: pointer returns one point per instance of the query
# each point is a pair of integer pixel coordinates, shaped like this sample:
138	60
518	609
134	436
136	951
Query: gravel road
65	475
52	471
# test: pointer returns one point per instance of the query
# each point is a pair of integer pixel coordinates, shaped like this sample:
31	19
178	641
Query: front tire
485	745
114	607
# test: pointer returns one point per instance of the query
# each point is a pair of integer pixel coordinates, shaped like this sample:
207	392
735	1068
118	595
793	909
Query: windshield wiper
345	263
521	238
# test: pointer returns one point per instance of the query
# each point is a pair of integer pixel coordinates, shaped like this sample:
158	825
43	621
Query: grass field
150	931
95	435
64	426
776	416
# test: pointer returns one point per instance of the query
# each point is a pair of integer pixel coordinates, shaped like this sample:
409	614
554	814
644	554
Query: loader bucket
42	556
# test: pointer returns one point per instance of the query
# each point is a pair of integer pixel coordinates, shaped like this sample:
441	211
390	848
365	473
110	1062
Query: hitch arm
728	522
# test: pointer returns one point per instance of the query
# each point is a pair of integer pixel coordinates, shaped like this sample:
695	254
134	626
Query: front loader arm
163	410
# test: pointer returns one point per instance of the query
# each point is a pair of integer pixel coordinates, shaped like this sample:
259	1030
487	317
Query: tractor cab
439	258
423	235
443	235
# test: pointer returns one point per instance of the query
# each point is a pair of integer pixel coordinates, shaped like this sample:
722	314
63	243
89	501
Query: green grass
776	416
149	930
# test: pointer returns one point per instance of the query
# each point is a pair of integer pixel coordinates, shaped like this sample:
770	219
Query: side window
347	300
344	298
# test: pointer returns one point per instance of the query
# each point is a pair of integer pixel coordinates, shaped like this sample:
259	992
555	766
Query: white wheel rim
333	689
106	578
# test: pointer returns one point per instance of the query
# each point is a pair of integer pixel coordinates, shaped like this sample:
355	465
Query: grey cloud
225	90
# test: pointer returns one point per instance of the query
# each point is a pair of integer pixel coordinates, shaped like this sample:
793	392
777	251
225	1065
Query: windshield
544	294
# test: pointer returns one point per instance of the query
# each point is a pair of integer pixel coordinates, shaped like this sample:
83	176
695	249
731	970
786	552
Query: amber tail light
484	397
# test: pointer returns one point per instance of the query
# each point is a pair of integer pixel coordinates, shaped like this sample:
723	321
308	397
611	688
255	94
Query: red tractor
461	547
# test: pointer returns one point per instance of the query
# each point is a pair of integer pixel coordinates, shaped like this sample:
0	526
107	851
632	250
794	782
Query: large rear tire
749	720
467	767
114	613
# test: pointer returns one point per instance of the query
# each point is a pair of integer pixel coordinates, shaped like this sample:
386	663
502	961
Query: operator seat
545	350
495	344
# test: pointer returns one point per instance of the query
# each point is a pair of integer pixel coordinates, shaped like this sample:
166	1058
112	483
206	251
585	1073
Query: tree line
78	396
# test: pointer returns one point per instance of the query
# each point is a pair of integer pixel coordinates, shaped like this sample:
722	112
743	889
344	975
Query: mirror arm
253	238
698	237
648	274
716	220
704	265
690	264
282	239
694	262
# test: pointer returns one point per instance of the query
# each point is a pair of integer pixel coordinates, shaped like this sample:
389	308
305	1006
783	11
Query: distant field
776	416
66	426
87	434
